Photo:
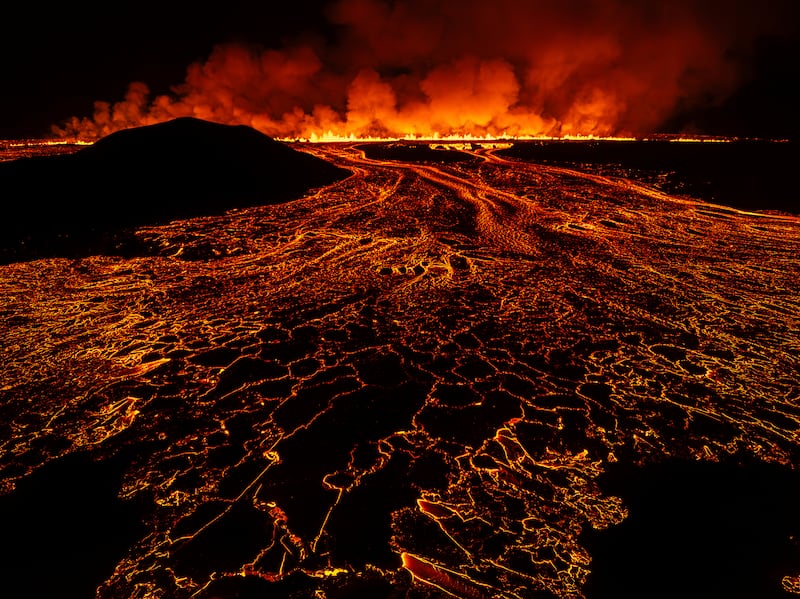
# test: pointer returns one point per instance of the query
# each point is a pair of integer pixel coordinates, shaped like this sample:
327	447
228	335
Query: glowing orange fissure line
436	137
330	137
49	142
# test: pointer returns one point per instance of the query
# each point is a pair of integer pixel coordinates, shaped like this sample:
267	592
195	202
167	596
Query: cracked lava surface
404	384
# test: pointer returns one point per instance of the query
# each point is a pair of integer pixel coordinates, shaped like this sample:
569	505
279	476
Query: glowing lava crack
409	382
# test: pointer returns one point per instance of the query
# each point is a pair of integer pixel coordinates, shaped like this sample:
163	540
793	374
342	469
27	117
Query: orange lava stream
452	352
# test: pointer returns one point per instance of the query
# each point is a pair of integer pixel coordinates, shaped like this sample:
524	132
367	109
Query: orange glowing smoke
466	67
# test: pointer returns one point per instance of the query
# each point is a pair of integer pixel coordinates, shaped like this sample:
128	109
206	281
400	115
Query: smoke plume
467	67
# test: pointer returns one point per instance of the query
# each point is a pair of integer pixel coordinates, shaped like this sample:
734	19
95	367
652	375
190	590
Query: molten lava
411	382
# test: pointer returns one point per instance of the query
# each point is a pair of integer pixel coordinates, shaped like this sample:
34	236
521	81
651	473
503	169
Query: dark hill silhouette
77	204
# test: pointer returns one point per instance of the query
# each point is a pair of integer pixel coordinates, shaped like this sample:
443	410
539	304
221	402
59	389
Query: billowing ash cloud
456	67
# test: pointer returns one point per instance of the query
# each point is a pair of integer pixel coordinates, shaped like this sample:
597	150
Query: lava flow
408	383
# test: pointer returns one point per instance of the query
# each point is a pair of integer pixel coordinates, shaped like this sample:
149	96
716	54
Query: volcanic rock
72	204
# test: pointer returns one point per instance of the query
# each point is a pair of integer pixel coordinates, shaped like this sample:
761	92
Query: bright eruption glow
441	69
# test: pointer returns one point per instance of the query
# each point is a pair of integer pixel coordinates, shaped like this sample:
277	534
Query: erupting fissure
438	70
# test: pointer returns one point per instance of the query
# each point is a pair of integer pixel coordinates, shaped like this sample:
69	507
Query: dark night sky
56	60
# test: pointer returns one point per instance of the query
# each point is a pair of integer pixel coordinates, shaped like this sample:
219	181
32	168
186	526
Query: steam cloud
458	67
